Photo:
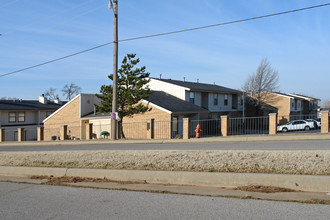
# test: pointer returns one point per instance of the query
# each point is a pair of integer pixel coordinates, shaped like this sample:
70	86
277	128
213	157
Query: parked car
317	122
296	125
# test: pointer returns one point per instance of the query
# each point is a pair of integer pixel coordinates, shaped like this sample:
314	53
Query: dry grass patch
264	189
282	162
51	180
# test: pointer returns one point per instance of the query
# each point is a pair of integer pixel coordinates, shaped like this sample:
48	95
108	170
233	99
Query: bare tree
50	94
70	90
325	103
261	83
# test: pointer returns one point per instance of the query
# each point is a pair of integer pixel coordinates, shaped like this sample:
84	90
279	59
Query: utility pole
243	105
114	6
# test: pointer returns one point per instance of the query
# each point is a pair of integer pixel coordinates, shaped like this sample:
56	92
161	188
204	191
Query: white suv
296	125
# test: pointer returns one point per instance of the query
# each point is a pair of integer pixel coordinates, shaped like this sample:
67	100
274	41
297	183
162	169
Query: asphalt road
25	201
266	145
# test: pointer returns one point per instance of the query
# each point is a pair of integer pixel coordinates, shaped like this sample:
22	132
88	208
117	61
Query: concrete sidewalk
312	183
239	138
304	197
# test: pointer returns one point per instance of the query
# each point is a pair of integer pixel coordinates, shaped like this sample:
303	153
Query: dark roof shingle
25	105
173	103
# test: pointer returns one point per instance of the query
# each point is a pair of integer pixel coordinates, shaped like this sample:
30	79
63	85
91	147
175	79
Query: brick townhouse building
26	114
288	106
218	100
80	111
171	101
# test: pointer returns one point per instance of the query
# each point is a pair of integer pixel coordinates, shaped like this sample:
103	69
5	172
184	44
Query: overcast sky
35	31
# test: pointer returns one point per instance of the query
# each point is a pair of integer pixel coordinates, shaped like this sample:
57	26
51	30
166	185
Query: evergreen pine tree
132	87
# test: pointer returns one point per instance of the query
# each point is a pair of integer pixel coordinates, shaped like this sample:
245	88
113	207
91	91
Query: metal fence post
150	128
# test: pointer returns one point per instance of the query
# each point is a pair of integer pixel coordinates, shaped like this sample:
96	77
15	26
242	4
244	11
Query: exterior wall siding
283	105
198	99
171	89
87	103
100	125
70	116
136	127
33	119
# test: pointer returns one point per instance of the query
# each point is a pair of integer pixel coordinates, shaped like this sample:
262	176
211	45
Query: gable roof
59	109
287	95
173	104
26	105
304	97
163	101
199	87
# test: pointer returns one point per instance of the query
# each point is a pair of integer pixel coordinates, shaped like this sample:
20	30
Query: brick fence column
40	133
186	128
89	131
64	132
150	128
224	125
20	134
2	135
324	121
272	124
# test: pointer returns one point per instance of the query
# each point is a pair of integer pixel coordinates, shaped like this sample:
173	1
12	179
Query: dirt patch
51	180
264	189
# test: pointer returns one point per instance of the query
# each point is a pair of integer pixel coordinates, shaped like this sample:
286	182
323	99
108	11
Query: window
12	117
225	101
215	99
21	116
48	113
192	97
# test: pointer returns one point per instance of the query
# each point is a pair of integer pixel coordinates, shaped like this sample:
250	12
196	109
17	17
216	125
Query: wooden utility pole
115	68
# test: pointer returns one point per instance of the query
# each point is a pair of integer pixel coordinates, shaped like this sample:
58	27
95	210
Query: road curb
310	183
30	171
240	138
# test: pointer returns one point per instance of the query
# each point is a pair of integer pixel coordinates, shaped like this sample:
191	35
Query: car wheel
284	129
307	128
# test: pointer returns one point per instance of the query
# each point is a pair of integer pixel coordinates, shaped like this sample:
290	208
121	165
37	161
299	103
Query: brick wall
70	116
282	104
136	127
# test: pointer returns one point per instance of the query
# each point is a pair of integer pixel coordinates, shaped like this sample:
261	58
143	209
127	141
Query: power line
54	60
9	3
226	23
168	33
